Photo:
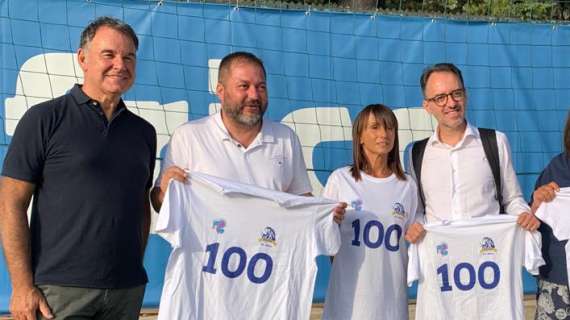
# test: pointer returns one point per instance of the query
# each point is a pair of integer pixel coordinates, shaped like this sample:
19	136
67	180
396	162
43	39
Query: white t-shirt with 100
240	251
472	269
368	278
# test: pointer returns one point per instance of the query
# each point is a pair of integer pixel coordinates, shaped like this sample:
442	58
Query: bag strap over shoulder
418	149
489	141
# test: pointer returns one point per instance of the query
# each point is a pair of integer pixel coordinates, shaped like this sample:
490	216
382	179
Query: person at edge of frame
88	163
553	297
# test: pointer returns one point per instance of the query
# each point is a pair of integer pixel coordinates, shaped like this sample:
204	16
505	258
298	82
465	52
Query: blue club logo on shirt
488	246
219	225
268	237
398	210
356	204
442	249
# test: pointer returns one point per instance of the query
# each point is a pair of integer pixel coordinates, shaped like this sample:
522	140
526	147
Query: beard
235	111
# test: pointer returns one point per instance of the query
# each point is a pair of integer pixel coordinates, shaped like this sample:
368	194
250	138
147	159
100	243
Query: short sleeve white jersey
368	277
472	269
240	251
555	214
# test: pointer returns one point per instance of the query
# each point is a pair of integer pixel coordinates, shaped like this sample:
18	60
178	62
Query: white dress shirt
458	183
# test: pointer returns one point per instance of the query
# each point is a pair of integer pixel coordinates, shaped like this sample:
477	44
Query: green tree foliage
536	10
542	10
510	9
524	9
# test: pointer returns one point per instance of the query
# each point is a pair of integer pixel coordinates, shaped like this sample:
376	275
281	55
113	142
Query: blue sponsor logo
219	225
356	204
442	249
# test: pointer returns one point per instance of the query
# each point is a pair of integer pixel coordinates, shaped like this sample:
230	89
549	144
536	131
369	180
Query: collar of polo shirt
265	135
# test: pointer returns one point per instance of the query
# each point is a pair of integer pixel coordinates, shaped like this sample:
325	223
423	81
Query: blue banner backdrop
323	67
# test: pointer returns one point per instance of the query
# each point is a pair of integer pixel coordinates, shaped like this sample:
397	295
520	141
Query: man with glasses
456	178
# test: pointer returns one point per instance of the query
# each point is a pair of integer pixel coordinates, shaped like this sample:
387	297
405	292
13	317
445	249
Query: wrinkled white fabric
241	255
471	269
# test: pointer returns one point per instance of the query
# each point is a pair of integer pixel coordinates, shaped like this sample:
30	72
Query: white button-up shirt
458	183
274	160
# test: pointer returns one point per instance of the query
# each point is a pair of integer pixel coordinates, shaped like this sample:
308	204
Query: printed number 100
443	270
241	262
382	236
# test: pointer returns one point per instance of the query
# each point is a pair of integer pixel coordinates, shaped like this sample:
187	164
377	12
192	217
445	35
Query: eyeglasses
441	99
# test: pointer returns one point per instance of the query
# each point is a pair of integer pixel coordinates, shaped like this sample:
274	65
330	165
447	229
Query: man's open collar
470	131
264	136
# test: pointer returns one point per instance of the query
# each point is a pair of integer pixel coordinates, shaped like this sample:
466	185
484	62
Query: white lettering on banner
50	75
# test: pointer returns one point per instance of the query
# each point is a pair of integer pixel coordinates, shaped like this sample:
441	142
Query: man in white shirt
237	143
456	178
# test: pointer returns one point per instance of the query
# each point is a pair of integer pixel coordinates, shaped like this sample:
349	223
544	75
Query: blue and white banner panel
323	67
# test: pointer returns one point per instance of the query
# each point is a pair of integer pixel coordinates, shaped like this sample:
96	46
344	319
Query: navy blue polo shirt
553	251
91	176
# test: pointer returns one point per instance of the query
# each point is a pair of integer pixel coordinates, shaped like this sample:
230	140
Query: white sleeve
512	196
300	183
532	251
326	232
330	190
171	219
416	209
177	153
414	268
554	214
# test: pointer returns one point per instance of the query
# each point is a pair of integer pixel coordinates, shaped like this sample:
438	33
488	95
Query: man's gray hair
89	32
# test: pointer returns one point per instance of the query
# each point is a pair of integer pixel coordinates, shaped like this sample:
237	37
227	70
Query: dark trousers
71	303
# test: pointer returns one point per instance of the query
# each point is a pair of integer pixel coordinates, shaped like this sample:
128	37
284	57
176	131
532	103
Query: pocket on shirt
278	160
278	165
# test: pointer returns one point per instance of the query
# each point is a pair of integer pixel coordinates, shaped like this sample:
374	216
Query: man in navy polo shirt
88	163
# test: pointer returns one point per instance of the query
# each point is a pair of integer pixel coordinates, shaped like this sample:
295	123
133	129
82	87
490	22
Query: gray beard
247	121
